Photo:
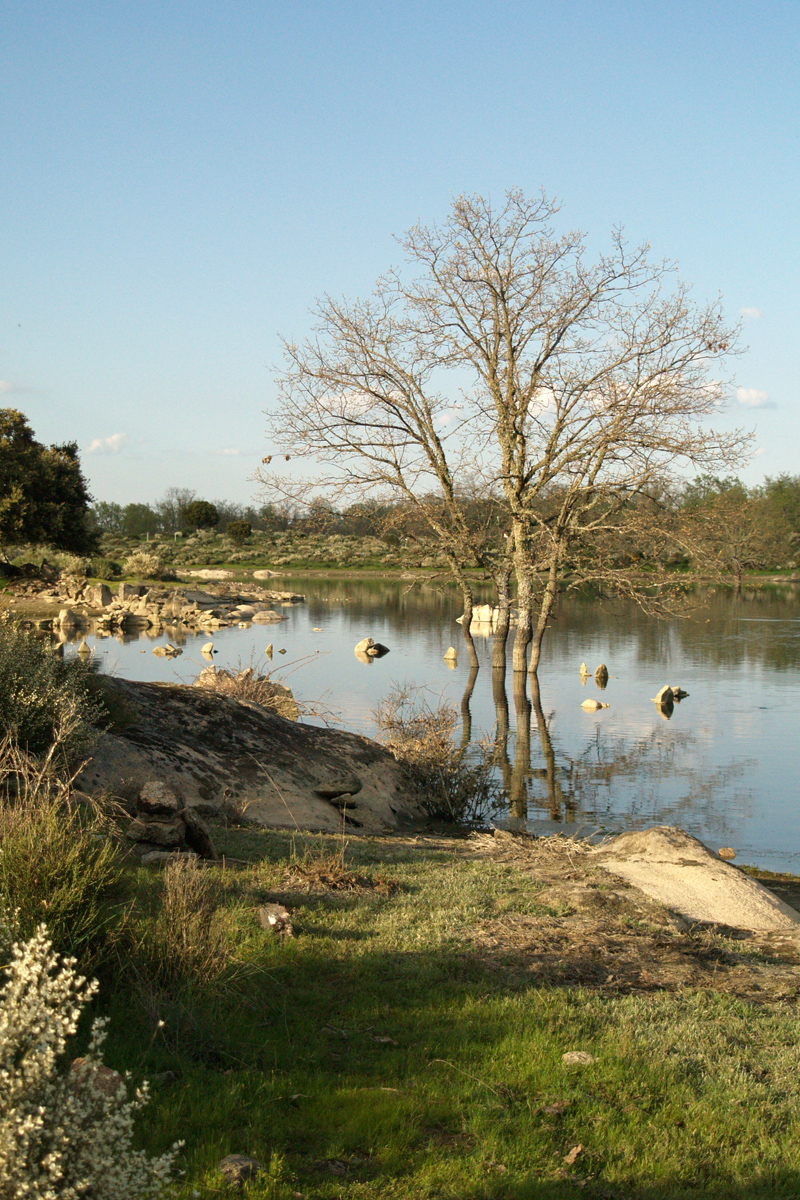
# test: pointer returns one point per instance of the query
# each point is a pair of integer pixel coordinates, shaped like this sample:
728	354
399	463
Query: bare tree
569	392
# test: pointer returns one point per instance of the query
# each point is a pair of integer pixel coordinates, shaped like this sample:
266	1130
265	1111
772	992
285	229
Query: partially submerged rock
593	705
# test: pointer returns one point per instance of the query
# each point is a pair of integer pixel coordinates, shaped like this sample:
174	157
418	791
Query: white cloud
10	388
751	314
108	445
228	451
753	398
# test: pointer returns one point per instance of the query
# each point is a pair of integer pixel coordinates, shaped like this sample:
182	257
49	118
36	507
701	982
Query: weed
59	862
451	785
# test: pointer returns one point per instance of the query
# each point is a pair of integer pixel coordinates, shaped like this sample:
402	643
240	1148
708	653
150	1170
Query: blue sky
179	181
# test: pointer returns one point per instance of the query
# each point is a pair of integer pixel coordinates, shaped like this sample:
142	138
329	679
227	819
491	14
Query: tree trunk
466	714
504	618
520	772
472	653
736	568
500	757
545	608
555	793
524	621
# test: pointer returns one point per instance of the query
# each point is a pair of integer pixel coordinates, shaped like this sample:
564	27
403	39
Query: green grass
376	1055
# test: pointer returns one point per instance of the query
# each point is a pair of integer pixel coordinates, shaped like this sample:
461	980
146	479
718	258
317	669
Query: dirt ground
594	930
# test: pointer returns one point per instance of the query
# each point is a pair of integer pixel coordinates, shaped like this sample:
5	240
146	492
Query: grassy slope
378	1054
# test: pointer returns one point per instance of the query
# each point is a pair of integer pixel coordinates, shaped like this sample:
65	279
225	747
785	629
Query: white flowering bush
62	1137
144	565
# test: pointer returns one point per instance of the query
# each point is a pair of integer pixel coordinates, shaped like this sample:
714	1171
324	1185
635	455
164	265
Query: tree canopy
43	493
502	362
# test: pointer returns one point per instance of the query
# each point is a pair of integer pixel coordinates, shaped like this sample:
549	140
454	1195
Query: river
725	765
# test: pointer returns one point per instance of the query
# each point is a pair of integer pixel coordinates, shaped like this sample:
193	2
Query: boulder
171	834
156	797
69	619
237	1169
266	615
212	750
665	696
601	675
86	1074
129	591
593	705
364	645
99	596
676	869
198	835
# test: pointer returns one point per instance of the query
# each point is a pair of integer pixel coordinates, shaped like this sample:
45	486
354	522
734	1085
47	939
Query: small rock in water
451	652
268	651
726	852
593	705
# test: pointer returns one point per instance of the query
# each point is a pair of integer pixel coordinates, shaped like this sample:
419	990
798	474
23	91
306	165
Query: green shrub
43	699
104	568
59	863
239	531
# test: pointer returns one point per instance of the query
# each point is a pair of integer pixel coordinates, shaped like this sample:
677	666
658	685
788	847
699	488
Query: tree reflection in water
563	788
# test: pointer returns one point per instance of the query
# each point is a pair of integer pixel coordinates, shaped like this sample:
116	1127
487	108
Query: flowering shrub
144	565
62	1137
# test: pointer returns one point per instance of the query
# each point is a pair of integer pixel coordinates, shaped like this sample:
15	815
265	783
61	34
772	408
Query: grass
403	1045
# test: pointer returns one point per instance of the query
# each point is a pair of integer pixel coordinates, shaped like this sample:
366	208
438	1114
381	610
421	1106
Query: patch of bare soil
598	932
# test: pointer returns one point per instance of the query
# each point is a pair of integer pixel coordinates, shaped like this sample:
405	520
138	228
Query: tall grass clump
65	1135
43	699
59	862
452	785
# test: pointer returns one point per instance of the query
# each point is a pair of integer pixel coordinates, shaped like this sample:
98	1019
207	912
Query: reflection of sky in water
725	766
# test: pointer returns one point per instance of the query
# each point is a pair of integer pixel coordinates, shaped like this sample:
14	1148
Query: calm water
725	766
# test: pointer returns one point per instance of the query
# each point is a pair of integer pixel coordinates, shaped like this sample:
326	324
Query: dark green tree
201	514
239	531
43	493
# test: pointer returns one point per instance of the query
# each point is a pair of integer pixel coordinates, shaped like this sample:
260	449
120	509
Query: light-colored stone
156	797
664	696
267	615
364	645
451	652
276	919
680	872
593	705
208	648
69	619
578	1058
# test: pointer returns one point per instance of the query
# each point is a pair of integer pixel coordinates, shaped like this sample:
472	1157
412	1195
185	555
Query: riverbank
479	1016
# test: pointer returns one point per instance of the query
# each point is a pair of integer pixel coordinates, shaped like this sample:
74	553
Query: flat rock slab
685	876
212	750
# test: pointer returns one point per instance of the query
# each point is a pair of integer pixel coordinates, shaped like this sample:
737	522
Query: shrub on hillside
239	531
143	564
62	1135
104	568
43	699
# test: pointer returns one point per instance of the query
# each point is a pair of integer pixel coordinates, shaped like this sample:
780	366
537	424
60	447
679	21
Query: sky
179	181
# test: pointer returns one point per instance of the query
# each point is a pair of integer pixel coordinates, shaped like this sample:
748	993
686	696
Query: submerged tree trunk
555	795
500	756
466	714
524	618
520	772
545	608
472	653
503	622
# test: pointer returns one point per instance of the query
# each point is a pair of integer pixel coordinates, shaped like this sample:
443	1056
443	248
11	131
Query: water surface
725	766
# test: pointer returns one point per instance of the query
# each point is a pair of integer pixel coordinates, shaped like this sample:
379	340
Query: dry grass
452	786
251	686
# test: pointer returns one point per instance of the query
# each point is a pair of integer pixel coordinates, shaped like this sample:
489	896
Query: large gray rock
213	750
156	797
680	872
